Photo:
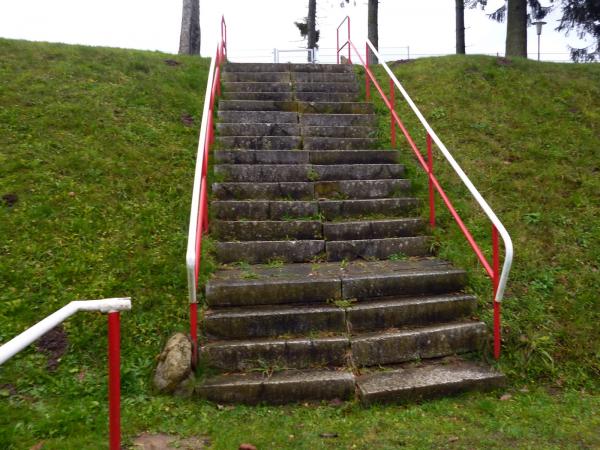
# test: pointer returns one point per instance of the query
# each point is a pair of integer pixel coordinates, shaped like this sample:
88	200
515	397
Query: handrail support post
392	121
367	83
431	186
496	281
114	380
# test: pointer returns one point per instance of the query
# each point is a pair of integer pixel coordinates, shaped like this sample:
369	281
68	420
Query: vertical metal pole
431	187
496	281
349	57
538	47
367	84
337	45
393	122
114	381
194	330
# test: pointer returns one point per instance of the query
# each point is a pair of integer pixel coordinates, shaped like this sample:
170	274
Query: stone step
396	312
326	96
349	131
326	86
378	248
367	208
372	229
334	107
264	210
320	77
260	142
342	120
259	252
266	105
261	321
257	117
413	383
392	347
262	77
323	68
266	230
307	172
258	129
260	96
320	157
246	86
255	67
298	190
333	143
278	387
296	353
361	189
305	283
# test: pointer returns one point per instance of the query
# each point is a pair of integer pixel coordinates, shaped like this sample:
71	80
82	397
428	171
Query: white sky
255	27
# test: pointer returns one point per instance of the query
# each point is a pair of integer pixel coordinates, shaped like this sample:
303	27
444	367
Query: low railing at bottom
110	306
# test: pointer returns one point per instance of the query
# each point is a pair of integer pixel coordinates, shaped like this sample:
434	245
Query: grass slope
93	145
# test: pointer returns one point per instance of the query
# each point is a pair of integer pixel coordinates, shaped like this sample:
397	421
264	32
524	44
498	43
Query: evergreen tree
584	17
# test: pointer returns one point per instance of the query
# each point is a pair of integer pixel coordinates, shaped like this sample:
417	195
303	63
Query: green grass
93	145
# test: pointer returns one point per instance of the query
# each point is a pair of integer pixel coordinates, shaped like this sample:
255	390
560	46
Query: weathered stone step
320	157
342	120
308	172
279	387
264	209
273	77
333	143
378	248
334	107
246	86
367	208
304	283
260	96
255	67
323	68
326	96
414	383
260	142
260	321
297	190
297	353
326	86
266	230
372	229
266	105
350	131
361	189
395	312
258	129
257	117
258	252
433	341
319	77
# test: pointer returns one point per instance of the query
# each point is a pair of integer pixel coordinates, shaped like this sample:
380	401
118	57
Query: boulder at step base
173	372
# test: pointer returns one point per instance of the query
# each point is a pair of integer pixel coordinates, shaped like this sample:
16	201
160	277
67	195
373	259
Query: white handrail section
508	245
32	334
190	255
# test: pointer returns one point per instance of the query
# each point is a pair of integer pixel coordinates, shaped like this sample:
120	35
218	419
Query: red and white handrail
199	207
499	278
111	306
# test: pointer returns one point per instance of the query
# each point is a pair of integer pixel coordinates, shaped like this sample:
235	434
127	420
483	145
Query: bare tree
189	40
372	28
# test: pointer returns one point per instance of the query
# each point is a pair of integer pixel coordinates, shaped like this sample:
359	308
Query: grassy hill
97	150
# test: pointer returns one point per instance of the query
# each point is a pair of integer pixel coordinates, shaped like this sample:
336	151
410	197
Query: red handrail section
199	213
339	49
492	269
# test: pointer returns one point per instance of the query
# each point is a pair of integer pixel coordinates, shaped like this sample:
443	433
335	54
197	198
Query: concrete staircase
328	288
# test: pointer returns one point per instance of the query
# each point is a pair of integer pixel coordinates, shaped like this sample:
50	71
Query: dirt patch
172	62
10	199
187	120
8	390
503	61
161	441
53	344
399	62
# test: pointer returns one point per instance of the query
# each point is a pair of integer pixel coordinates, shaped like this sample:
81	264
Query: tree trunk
460	27
311	25
372	30
189	40
516	29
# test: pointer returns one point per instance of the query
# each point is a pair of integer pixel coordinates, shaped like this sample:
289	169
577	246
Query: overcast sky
255	27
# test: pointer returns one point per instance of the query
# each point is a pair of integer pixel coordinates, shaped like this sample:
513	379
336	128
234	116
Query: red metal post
431	186
114	381
337	45
349	56
367	84
496	281
393	122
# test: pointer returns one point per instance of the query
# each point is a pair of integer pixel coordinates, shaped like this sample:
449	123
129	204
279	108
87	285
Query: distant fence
328	55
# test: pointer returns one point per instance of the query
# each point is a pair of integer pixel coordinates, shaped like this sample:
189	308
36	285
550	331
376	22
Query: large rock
174	363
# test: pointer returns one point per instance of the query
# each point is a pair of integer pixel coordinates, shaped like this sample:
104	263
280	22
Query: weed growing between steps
96	170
